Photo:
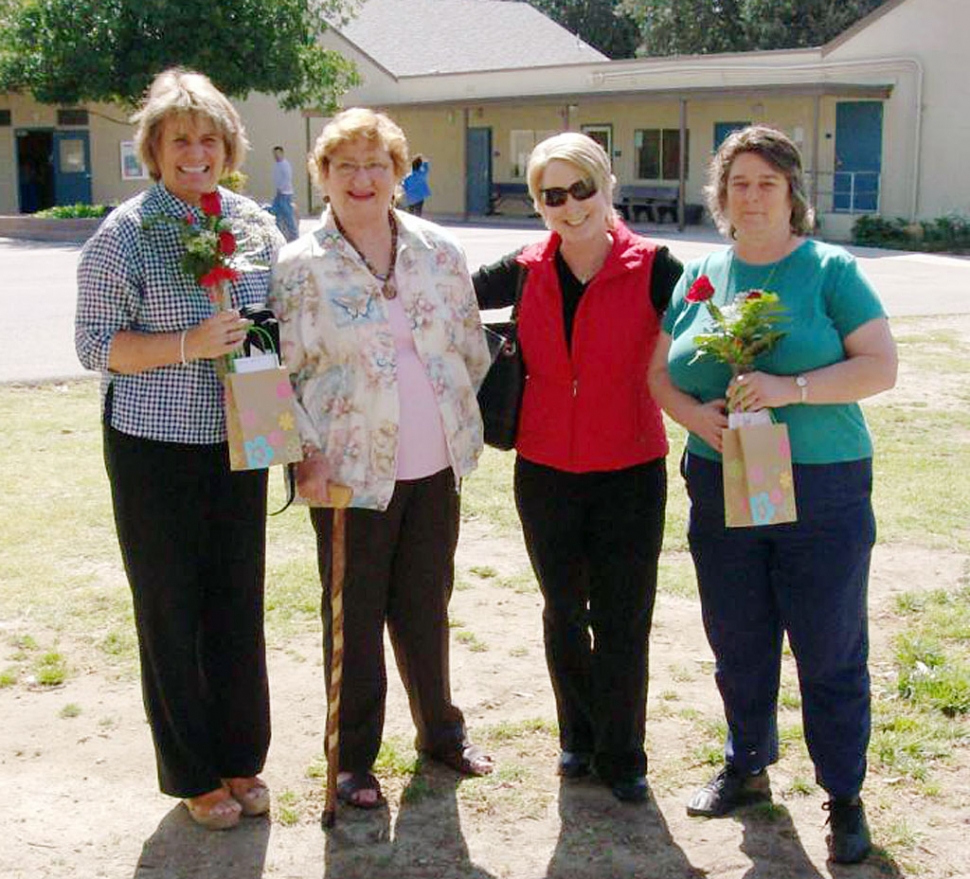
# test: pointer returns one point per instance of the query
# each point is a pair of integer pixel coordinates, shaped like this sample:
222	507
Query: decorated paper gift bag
260	419
758	487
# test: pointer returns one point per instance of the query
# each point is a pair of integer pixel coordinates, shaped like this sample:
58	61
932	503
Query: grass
68	607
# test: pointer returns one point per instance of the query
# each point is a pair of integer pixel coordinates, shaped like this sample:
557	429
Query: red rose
190	218
701	290
218	274
754	294
210	204
227	243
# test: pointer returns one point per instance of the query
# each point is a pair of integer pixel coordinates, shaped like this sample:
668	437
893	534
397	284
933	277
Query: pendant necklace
764	285
388	290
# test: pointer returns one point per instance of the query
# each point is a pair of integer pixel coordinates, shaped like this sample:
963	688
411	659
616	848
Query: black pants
594	541
400	570
192	537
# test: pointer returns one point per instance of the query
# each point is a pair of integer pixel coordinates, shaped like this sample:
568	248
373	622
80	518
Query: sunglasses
555	196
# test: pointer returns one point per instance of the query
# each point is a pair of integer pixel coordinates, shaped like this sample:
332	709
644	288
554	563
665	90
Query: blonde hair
579	150
356	123
177	92
779	151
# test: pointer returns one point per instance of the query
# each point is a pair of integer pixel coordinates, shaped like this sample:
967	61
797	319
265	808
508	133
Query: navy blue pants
594	540
809	579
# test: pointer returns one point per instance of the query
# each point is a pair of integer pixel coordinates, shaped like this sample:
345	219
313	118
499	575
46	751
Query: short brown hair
178	91
779	151
349	125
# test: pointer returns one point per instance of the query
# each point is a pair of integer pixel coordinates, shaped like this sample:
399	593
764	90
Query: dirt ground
79	799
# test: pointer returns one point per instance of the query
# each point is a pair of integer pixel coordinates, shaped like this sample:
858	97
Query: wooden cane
339	498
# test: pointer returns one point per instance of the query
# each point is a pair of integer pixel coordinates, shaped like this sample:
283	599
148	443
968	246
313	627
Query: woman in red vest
590	477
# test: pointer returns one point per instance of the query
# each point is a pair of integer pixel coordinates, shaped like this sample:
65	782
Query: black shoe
630	790
727	790
574	764
849	840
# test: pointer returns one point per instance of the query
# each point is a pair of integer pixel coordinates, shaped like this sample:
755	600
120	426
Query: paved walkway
37	287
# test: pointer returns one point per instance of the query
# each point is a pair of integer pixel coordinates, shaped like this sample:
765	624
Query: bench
505	195
651	200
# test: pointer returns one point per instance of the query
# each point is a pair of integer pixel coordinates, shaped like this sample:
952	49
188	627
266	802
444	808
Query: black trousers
192	537
399	571
594	541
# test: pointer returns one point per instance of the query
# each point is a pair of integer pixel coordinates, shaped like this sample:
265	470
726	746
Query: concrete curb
31	228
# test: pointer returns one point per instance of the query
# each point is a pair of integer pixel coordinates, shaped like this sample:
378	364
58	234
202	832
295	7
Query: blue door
72	167
723	129
858	156
478	182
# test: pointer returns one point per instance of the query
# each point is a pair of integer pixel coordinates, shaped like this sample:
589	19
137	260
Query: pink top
421	448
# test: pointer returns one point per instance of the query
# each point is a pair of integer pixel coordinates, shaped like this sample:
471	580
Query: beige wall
927	36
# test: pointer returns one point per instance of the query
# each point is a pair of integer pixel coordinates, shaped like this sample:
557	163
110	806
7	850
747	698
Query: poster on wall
131	166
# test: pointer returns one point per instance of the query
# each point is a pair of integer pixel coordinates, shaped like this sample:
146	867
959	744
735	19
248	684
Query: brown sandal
349	790
466	759
215	810
251	793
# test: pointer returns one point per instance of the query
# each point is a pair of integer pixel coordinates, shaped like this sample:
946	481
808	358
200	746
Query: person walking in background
590	477
192	532
809	578
382	337
283	200
416	186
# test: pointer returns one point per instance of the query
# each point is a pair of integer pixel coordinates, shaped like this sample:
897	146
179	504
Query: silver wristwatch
802	382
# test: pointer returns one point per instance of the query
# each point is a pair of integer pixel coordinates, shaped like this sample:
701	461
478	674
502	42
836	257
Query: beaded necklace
388	290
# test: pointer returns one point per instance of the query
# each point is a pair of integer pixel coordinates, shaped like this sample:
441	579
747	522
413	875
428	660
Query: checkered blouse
130	278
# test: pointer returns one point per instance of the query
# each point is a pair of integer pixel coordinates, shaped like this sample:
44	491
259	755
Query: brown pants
400	571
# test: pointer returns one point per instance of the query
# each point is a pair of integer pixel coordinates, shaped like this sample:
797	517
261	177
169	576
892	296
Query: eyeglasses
349	170
555	196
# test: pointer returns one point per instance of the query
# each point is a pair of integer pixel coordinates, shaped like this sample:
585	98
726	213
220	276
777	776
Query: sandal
251	793
215	810
466	759
349	790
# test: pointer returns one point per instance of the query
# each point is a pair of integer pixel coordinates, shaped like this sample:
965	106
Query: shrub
948	233
75	211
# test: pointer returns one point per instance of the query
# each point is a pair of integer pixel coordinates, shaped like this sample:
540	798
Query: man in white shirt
283	201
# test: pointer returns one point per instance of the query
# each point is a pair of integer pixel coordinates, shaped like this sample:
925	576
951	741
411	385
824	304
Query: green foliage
685	27
71	51
744	331
75	211
601	23
949	233
236	181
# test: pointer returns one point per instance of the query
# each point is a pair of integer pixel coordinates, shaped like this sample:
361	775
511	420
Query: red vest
590	408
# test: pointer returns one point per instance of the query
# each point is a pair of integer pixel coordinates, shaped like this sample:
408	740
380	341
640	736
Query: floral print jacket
339	349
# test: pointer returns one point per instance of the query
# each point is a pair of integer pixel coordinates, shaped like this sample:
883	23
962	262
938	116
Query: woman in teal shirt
807	578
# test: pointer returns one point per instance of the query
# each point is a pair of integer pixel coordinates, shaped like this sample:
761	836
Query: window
5	118
603	135
657	153
522	143
72	117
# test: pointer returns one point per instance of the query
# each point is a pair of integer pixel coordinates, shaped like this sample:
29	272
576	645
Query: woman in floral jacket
382	336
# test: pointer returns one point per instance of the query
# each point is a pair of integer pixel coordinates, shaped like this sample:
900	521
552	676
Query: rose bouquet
743	330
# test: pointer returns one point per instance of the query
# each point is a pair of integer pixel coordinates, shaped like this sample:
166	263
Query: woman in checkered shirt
192	533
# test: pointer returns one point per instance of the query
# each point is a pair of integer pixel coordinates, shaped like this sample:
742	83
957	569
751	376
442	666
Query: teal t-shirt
826	297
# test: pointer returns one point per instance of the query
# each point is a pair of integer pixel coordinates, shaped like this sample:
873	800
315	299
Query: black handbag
500	396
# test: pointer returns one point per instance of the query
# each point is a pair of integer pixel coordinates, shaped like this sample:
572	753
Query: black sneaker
849	840
574	764
630	790
727	790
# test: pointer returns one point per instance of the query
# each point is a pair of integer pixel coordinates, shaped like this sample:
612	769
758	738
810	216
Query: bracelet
182	347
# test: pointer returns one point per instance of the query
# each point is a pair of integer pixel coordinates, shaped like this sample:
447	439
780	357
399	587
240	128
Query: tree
597	22
672	27
70	51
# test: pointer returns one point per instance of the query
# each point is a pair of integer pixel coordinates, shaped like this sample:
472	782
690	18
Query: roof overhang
761	91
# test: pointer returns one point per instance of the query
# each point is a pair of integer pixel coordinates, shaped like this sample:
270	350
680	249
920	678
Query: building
878	111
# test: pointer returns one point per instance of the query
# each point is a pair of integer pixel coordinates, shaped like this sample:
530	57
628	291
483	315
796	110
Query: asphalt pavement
37	288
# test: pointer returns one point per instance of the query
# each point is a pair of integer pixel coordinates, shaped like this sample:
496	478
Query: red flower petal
227	243
754	294
210	204
701	290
